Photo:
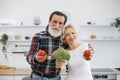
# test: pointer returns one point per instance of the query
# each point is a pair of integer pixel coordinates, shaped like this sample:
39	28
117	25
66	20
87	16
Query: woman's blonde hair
63	35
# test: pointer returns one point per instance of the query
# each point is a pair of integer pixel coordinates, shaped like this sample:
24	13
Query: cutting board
9	69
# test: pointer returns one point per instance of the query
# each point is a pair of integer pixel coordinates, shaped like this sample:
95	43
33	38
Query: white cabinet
63	77
118	77
11	77
7	77
19	77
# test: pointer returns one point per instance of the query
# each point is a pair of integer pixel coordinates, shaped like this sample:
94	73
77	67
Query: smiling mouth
71	40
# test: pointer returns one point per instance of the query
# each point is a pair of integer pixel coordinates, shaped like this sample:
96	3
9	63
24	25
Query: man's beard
54	32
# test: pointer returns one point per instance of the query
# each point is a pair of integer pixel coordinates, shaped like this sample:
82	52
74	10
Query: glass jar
36	20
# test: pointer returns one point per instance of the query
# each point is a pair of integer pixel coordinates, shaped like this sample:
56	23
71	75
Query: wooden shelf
102	32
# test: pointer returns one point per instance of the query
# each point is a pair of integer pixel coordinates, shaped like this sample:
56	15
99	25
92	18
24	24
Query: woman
78	65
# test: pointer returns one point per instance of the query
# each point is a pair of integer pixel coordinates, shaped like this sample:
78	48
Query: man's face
56	25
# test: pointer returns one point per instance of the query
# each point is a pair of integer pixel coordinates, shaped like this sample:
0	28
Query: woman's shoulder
84	44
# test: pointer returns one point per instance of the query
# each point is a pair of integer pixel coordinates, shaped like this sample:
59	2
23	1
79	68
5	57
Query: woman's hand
91	49
58	64
88	54
87	58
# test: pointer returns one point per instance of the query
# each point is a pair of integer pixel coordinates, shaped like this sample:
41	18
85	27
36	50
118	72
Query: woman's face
70	36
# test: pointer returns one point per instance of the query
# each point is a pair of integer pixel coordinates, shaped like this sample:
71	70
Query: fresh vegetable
61	54
87	53
41	53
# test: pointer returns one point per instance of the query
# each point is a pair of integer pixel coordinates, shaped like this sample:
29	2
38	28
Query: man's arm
32	57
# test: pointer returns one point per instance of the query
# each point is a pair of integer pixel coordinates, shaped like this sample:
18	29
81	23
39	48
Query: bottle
36	20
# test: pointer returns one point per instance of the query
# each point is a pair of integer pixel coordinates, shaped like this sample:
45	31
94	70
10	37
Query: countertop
112	71
20	72
15	72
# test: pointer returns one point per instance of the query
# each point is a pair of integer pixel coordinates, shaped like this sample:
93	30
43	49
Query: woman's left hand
89	57
58	64
91	49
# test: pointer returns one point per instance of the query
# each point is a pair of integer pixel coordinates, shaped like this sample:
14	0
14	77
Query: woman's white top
79	68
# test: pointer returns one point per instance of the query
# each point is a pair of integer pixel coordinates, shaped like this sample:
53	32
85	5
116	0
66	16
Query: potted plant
3	40
116	23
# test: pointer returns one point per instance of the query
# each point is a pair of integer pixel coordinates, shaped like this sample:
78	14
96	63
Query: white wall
106	45
80	11
106	54
101	12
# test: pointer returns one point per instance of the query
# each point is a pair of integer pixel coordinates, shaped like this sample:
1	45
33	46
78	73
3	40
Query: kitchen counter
105	71
15	72
21	72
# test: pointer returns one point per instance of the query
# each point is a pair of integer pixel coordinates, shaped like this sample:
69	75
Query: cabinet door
21	77
63	77
118	77
6	77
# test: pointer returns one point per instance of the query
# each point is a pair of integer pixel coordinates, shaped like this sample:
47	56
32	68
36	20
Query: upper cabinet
98	32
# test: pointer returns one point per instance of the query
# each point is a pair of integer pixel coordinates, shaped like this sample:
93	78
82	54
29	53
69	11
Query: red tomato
41	52
87	53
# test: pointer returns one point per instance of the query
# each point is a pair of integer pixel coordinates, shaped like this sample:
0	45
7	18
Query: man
44	67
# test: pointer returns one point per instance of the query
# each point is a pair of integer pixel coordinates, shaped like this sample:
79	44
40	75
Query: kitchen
19	14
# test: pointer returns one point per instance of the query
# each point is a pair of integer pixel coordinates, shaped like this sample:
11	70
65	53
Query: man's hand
40	58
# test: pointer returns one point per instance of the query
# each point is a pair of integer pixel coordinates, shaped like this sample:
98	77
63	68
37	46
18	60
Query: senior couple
55	36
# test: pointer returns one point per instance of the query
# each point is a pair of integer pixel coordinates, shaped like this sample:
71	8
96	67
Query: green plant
116	23
3	40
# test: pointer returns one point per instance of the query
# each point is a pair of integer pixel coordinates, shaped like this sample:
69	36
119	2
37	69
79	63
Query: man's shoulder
41	33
